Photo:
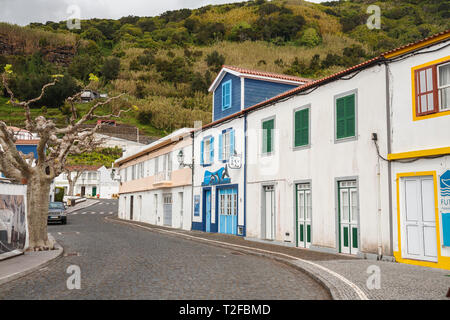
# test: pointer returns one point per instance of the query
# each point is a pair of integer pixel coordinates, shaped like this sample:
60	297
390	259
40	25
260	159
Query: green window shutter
301	128
267	136
350	115
340	119
345	117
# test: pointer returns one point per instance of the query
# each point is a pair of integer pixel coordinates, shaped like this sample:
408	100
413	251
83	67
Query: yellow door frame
443	262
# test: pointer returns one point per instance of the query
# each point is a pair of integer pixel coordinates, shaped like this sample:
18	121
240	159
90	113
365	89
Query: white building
419	82
93	182
314	176
155	187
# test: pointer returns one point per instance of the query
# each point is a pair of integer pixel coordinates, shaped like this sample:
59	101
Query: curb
94	203
23	273
10	254
337	292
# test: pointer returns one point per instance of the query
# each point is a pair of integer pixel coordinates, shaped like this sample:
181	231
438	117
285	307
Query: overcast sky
23	12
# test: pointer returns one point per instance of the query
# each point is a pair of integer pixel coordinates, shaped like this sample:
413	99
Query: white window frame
226	145
439	87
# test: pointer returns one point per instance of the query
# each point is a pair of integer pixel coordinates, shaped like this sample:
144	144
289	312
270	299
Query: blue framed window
226	95
226	145
207	151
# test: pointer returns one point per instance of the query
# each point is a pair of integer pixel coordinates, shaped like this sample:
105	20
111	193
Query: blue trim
202	151
228	186
204	190
226	93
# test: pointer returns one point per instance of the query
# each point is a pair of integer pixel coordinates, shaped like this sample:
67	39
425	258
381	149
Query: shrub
215	61
111	68
310	38
145	117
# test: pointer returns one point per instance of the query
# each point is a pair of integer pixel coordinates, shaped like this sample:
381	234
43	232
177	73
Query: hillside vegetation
166	63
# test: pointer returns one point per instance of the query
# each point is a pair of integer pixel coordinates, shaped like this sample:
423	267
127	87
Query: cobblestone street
122	262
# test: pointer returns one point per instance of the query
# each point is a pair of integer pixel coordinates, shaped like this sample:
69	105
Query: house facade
420	152
314	174
155	187
219	185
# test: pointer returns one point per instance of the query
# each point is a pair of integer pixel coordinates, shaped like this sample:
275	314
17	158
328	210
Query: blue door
228	210
208	210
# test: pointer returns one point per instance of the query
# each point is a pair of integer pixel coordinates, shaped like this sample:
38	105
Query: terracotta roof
266	74
411	46
30	142
83	168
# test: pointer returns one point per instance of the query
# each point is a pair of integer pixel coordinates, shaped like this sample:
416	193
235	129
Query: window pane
444	95
430	101
444	75
429	79
423	84
423	103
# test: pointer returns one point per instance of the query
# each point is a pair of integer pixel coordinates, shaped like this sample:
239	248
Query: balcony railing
165	176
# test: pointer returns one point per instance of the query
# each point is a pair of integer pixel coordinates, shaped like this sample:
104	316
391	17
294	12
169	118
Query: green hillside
165	64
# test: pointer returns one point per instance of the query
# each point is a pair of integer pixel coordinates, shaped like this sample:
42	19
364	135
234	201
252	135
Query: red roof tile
267	74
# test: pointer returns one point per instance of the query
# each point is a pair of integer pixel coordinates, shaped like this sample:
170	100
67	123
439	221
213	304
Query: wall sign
221	176
197	206
235	162
445	206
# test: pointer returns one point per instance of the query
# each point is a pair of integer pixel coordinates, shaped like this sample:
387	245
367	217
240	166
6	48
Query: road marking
75	213
101	212
83	212
92	212
357	290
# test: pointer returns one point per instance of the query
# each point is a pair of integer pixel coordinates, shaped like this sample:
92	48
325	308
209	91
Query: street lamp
181	160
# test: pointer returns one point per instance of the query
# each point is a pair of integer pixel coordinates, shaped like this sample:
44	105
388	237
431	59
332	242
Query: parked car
57	213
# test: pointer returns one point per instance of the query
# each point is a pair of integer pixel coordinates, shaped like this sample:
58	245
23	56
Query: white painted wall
147	212
409	135
323	162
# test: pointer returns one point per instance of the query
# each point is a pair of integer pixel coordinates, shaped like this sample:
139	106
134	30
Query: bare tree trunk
38	190
71	188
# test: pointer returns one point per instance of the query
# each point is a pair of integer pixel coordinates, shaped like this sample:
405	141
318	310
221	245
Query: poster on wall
197	206
12	223
445	206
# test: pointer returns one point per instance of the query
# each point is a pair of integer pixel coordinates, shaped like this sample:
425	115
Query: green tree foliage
93	34
100	157
310	38
215	61
110	69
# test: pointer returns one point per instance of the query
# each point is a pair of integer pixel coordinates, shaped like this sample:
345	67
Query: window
156	165
432	85
207	151
267	139
346	117
444	86
133	172
226	95
301	127
226	145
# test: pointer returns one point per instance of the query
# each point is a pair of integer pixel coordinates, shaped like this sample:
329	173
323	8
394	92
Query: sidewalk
82	205
26	263
343	275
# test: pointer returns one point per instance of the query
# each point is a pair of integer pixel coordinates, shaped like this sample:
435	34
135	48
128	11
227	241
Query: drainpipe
380	243
389	150
192	178
245	175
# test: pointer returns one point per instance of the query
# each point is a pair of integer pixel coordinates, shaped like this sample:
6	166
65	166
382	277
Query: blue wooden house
220	147
236	89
